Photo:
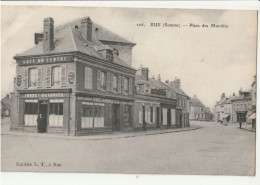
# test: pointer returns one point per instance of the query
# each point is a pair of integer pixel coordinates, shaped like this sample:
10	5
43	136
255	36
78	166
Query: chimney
7	95
176	83
167	81
255	78
153	77
38	37
86	27
48	34
159	77
222	96
145	72
234	94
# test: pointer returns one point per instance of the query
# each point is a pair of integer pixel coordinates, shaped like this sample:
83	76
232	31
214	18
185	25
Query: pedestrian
240	124
144	126
39	123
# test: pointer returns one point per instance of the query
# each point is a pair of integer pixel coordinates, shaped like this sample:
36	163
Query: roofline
114	42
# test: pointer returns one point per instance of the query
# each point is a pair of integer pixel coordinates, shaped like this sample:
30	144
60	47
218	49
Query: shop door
43	115
116	117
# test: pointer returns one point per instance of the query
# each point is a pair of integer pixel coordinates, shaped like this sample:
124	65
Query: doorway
116	117
43	115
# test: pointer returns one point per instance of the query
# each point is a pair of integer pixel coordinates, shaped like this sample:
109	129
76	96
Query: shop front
43	112
100	115
168	115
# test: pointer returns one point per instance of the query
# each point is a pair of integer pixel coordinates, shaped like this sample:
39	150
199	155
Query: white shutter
39	80
173	116
48	76
154	114
25	78
88	78
119	84
108	82
98	79
130	86
63	75
164	116
140	115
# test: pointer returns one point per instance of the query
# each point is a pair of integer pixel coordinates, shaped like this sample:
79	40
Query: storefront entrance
116	117
43	115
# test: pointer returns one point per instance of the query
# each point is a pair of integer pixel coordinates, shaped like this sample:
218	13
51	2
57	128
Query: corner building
78	78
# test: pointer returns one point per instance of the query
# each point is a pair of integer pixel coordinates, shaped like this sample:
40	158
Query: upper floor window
33	77
88	78
114	83
56	76
126	85
109	55
103	80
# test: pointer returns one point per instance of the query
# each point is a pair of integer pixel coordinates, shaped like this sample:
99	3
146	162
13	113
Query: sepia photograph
128	90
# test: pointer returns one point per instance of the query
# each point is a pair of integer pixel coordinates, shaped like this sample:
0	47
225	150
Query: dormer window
109	55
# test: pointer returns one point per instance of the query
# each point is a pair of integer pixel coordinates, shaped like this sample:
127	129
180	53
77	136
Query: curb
247	129
113	136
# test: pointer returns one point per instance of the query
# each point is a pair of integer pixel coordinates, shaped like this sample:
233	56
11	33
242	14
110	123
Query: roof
6	101
69	39
177	90
140	79
195	102
223	100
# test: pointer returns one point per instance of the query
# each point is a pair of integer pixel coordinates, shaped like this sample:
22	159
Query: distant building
6	106
233	109
198	111
252	114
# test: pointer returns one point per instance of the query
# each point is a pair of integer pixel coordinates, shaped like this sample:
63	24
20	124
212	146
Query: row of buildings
78	79
237	108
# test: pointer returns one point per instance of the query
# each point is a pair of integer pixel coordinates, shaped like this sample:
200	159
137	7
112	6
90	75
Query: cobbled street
213	149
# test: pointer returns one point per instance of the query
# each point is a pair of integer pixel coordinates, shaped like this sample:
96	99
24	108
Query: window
56	76
56	113
30	112
88	78
126	85
114	84
33	76
109	55
92	115
140	114
103	80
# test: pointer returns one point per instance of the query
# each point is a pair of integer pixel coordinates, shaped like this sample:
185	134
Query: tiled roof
196	102
69	39
140	79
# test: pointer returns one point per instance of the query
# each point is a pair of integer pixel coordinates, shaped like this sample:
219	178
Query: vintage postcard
128	90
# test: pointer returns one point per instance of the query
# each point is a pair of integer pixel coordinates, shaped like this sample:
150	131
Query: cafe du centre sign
45	60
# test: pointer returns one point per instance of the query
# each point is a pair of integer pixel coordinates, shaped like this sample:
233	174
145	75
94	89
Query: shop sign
71	77
19	80
44	95
46	60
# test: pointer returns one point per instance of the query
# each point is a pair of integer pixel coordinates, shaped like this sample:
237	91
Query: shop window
151	114
30	112
92	115
33	76
127	114
56	113
140	114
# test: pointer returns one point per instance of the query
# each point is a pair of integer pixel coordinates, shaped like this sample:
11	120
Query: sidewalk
248	128
112	135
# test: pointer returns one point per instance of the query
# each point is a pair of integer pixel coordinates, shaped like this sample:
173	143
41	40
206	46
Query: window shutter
25	79
39	80
108	81
112	82
63	75
88	78
48	77
123	85
130	86
119	84
98	79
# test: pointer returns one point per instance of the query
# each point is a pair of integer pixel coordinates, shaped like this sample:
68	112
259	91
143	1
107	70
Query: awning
226	115
252	116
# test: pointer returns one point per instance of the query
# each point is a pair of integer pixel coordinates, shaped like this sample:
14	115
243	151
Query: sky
208	61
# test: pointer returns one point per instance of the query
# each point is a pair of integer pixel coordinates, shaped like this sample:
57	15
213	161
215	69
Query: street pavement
213	149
